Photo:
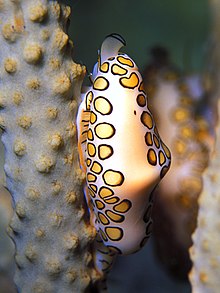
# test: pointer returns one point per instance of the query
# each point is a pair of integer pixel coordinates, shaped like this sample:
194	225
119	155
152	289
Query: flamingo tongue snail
120	150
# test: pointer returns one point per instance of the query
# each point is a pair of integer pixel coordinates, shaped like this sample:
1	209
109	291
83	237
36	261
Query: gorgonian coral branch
205	253
39	84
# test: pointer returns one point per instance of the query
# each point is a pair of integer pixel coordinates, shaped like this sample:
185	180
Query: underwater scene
109	151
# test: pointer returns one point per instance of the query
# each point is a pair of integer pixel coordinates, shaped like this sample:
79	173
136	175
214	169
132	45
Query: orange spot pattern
110	209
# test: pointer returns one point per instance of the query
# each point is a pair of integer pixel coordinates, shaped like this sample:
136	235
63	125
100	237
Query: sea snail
120	150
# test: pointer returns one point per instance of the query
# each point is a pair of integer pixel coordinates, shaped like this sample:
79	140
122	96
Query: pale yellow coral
70	197
54	63
40	233
71	275
71	130
38	11
32	194
19	147
10	65
45	34
60	39
53	266
61	84
38	104
17	98
56	141
44	164
8	32
55	9
32	52
33	83
56	219
56	187
71	241
52	113
30	253
24	122
20	210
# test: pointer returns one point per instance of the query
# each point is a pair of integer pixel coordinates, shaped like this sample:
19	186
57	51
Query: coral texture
39	84
176	206
205	252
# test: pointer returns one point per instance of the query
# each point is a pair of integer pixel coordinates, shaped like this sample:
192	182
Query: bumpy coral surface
205	252
39	84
